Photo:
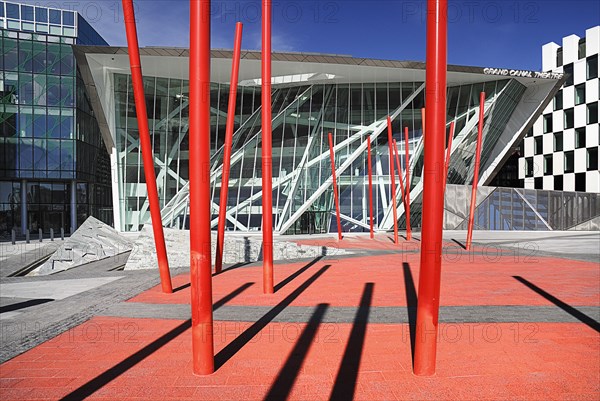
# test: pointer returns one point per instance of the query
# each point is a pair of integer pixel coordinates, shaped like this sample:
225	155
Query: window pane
569	119
39	155
39	124
67	62
592	113
26	122
558	101
53	91
55	16
26	13
26	56
39	90
53	155
558	141
68	18
53	123
66	91
25	154
580	94
12	10
568	69
39	57
53	59
11	55
592	67
41	14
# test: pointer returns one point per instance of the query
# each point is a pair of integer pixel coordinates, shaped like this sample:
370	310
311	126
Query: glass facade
50	144
303	115
522	209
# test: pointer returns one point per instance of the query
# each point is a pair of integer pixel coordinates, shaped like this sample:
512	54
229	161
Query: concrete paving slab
55	289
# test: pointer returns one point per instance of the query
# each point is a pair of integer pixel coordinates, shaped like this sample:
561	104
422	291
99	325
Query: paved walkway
522	327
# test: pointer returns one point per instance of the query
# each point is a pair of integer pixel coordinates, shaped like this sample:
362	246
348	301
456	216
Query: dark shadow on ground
463	246
413	238
345	381
298	272
282	386
232	267
24	304
181	287
582	317
411	305
109	375
231	295
234	346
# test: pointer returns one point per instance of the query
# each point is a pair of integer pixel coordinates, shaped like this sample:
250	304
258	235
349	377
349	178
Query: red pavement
466	280
497	361
126	359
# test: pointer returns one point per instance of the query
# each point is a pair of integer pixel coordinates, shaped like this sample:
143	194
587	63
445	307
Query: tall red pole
199	184
233	83
397	156
335	192
476	171
407	203
147	153
448	150
370	169
267	157
392	178
433	189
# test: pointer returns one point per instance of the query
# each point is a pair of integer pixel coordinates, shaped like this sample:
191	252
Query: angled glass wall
303	115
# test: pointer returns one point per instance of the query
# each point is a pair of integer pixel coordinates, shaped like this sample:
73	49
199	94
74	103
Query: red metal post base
199	137
433	189
147	153
233	83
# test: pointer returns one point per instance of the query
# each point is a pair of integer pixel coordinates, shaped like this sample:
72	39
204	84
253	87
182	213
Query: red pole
476	171
448	149
199	137
370	184
147	153
396	155
407	203
392	179
433	187
335	192
233	82
267	157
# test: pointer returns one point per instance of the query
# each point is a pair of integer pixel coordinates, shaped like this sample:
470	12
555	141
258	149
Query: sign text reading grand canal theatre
522	73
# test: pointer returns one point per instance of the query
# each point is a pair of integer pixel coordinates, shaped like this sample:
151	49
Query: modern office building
561	151
54	167
314	94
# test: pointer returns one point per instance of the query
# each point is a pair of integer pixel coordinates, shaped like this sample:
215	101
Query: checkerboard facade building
561	151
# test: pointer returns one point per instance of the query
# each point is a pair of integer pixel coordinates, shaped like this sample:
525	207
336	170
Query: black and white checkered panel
561	152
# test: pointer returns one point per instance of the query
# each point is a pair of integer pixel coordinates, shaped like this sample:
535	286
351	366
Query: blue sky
502	33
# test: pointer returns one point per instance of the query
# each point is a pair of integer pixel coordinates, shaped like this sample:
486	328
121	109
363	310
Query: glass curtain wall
303	115
48	134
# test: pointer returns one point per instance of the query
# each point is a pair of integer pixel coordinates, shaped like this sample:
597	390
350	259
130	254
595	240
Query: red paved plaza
336	329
